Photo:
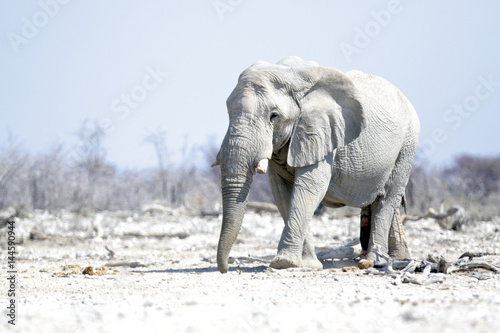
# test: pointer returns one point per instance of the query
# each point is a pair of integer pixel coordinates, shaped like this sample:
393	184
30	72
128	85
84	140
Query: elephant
325	137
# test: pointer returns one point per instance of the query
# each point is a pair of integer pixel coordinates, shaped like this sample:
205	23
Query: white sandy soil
164	278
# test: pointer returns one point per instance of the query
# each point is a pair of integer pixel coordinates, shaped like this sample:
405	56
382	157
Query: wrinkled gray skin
330	137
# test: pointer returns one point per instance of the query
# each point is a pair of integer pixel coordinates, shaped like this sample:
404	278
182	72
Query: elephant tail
403	203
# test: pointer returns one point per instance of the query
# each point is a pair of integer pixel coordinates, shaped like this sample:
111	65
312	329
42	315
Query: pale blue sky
65	61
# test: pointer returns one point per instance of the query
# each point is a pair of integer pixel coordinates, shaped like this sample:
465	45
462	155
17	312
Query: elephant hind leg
364	228
387	228
398	243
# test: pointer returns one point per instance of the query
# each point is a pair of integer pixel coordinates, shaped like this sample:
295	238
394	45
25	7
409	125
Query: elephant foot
312	263
282	261
401	252
371	256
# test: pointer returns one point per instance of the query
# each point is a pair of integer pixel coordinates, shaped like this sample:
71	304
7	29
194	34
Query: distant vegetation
470	181
79	178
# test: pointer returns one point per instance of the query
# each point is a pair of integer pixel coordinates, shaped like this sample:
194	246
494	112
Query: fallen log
244	260
131	264
452	219
465	264
406	274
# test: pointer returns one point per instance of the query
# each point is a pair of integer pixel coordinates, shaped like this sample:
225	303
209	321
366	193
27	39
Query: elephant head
298	104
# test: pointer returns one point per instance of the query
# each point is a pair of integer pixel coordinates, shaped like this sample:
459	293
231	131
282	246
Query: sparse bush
471	181
475	177
78	177
14	164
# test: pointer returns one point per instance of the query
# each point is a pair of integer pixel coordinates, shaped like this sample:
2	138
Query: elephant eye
273	115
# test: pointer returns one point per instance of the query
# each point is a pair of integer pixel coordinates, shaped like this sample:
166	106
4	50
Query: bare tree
425	187
158	140
133	189
477	177
89	163
210	151
12	162
47	176
80	178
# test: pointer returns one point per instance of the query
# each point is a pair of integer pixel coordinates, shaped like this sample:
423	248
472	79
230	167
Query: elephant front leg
309	188
282	192
309	258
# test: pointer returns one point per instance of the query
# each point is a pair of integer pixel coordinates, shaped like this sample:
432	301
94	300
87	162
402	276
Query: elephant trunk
236	178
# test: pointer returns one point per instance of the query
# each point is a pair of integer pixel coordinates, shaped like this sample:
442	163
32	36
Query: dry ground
161	278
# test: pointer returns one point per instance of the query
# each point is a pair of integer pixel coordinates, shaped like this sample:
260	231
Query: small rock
364	264
350	269
88	271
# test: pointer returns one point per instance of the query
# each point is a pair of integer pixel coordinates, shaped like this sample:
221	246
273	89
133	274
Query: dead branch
453	218
425	278
464	264
406	274
180	235
111	252
471	255
243	260
131	264
481	264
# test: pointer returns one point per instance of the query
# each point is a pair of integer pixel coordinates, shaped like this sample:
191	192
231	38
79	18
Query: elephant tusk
262	166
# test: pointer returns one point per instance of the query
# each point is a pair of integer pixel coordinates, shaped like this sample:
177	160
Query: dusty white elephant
326	137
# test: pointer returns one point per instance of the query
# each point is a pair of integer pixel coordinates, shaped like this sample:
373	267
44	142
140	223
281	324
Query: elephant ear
330	116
